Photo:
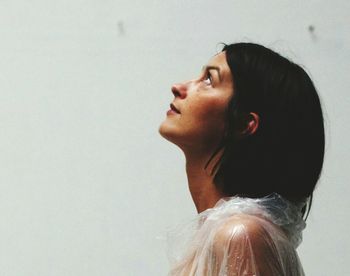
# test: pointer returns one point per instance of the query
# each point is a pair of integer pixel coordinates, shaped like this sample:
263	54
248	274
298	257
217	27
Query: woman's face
196	119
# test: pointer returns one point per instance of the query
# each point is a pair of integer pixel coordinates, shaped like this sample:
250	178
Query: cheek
208	117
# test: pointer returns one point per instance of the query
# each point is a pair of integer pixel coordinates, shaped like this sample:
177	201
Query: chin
166	131
170	133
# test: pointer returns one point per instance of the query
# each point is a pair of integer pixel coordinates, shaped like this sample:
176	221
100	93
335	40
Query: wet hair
285	154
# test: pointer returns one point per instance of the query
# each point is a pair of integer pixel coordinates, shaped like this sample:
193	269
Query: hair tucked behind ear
285	154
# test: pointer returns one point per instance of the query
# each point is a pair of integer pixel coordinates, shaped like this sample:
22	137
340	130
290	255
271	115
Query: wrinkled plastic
240	236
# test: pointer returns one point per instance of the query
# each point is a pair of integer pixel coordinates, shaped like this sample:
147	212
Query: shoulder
241	226
249	241
247	234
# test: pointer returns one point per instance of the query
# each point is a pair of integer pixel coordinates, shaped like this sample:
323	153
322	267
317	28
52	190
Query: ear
250	124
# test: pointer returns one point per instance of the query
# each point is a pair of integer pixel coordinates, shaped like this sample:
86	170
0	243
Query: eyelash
208	76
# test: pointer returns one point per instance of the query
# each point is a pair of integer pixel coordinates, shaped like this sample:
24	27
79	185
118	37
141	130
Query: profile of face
197	116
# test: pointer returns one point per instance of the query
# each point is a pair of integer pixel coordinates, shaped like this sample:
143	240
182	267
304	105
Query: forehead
219	60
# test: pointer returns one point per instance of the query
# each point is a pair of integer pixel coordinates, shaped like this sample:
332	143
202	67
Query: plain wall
87	185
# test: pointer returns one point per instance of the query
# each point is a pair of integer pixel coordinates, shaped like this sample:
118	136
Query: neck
200	181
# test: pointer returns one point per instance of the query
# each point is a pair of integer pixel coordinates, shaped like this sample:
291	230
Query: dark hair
285	154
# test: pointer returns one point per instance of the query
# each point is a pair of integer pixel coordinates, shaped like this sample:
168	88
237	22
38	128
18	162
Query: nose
179	90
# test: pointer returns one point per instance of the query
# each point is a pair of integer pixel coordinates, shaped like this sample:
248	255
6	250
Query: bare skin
201	185
198	124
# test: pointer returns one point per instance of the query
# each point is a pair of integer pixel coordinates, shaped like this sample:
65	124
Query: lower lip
171	112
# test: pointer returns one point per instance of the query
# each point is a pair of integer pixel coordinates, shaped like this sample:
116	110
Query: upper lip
173	107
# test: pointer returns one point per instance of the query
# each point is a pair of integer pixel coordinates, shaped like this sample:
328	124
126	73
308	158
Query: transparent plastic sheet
240	236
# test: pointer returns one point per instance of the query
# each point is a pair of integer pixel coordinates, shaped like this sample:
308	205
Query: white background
87	186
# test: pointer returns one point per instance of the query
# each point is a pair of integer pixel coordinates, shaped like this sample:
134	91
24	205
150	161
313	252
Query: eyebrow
211	67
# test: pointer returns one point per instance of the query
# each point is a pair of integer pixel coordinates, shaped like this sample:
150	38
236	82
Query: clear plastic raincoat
240	236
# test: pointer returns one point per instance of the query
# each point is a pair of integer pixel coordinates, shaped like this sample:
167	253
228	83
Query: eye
208	79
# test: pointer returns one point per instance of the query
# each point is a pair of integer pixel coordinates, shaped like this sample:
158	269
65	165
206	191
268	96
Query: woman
251	128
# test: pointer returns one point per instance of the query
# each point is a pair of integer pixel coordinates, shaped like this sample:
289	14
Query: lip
173	108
